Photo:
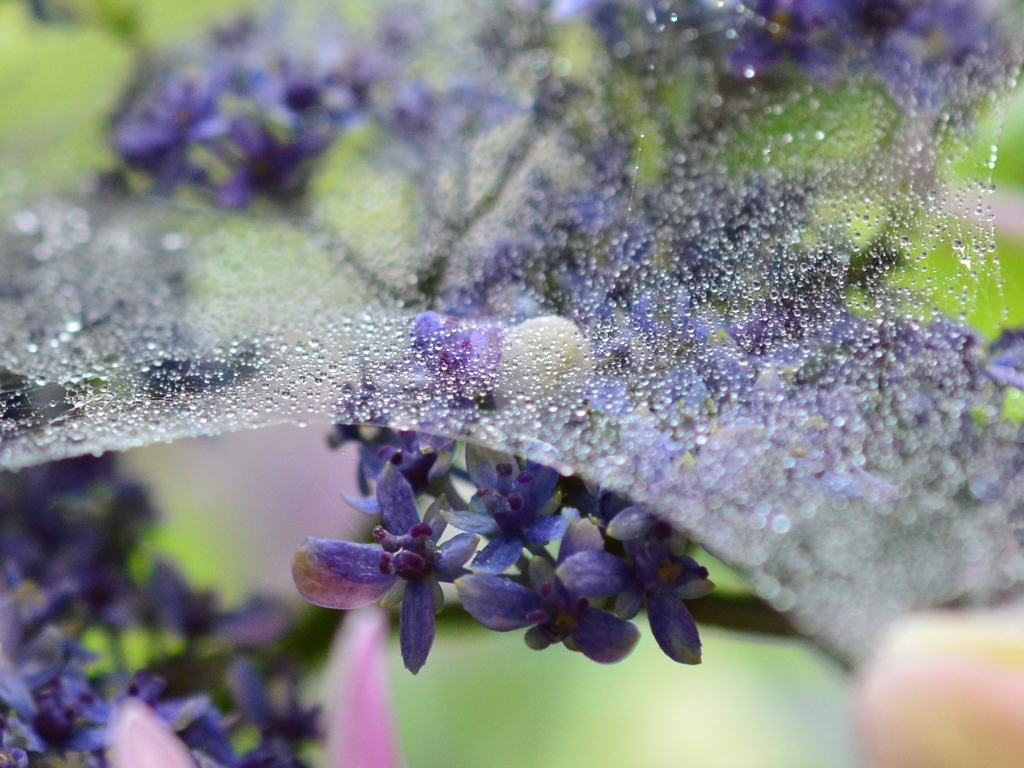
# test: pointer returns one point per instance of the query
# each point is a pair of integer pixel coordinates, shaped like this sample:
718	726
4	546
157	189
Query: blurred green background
236	506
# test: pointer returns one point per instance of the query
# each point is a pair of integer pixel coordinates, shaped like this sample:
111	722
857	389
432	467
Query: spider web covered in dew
715	296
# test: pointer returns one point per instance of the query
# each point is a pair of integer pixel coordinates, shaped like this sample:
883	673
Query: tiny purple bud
421	529
411	566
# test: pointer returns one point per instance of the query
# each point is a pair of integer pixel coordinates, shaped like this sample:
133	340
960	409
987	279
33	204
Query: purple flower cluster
608	566
70	536
460	360
250	119
910	44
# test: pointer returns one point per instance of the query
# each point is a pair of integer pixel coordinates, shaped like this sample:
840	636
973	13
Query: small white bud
547	360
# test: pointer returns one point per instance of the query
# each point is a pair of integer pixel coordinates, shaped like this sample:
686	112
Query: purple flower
424	460
929	30
515	506
68	714
155	133
557	606
404	565
662	579
262	159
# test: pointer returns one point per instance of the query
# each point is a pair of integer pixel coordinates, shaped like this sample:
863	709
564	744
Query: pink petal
360	722
140	739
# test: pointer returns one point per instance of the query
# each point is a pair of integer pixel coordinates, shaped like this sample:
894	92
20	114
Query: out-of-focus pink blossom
140	739
946	691
360	721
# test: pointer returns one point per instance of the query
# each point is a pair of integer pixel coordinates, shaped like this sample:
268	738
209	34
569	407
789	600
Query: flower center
410	557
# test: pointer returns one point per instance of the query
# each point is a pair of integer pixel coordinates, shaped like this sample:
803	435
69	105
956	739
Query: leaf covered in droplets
681	250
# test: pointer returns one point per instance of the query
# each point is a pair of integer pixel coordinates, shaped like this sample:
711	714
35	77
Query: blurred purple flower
920	46
247	119
156	132
272	705
459	359
265	160
802	31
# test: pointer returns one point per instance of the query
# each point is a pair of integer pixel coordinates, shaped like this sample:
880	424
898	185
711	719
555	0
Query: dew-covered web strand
652	19
762	543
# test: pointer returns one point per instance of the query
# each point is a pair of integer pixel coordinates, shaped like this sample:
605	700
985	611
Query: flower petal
396	500
416	627
238	190
361	730
500	554
1005	375
630	523
445	457
454	554
547	528
366	504
695	589
545	479
495	602
603	637
595	574
473	522
340	574
434	517
86	740
13	691
482	464
674	628
580	536
629	603
247	693
138	738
